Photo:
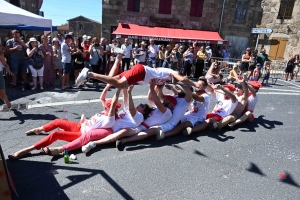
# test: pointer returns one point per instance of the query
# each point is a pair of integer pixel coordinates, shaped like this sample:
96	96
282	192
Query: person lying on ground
197	113
129	117
160	113
70	131
226	103
253	87
137	74
183	98
241	93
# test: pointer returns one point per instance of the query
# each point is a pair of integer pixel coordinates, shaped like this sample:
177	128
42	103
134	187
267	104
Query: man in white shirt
127	48
66	61
196	114
226	103
152	53
183	100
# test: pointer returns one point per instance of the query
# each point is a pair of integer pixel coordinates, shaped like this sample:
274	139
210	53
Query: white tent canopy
12	15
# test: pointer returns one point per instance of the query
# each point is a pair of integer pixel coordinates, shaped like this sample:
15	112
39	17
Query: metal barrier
225	64
277	68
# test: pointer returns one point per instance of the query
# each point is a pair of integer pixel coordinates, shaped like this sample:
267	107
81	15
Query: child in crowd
233	74
267	73
256	73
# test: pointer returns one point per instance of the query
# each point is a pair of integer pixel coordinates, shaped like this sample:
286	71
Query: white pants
36	72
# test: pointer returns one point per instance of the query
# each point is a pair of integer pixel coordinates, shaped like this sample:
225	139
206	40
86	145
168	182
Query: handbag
37	61
79	60
100	59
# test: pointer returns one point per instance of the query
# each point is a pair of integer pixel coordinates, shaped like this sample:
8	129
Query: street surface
243	163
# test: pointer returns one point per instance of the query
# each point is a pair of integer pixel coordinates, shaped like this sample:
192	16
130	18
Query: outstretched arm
252	90
227	92
132	109
103	94
125	97
114	102
186	90
155	98
185	80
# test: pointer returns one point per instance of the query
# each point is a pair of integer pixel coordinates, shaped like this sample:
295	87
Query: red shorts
215	116
135	74
252	116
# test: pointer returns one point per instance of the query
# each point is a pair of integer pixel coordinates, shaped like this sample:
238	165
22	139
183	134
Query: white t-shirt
252	102
127	121
97	121
224	107
199	109
156	117
65	54
153	50
127	49
179	109
162	74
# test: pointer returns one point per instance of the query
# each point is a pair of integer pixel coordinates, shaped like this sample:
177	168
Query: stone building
283	17
233	21
84	26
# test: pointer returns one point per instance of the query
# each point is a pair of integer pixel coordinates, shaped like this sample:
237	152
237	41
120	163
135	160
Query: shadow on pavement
23	117
267	124
36	180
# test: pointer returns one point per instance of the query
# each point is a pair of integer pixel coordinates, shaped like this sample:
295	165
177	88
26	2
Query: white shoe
160	135
41	88
89	146
82	76
33	88
187	131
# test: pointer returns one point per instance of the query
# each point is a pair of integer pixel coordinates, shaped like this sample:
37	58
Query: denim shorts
66	68
152	62
15	64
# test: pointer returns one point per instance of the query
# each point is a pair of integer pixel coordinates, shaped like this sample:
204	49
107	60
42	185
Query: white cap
89	37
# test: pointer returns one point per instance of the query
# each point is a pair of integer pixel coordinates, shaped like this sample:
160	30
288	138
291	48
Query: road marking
292	83
281	90
135	97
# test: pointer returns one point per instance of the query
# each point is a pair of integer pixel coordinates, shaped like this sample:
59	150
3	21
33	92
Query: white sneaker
89	146
160	135
82	76
187	131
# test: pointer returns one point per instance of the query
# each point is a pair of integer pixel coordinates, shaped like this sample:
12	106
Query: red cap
171	99
230	87
255	84
107	104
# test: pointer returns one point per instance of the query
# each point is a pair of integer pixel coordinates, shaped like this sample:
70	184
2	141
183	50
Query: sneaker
187	131
119	145
82	76
41	88
160	135
33	88
89	146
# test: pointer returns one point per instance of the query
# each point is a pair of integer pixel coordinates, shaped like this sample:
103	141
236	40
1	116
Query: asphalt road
243	163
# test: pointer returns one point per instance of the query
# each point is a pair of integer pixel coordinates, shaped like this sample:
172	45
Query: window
286	9
133	5
80	27
241	10
165	6
196	8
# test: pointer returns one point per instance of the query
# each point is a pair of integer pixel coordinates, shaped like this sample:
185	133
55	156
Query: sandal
50	152
34	131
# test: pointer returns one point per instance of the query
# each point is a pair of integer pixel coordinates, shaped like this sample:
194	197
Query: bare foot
34	131
231	125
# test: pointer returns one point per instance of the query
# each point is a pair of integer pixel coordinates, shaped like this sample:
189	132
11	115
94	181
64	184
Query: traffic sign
261	30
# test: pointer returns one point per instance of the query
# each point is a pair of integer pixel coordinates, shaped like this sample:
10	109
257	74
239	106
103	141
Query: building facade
233	19
84	26
283	17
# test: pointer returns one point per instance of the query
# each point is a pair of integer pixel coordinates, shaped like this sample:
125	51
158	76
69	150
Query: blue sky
62	10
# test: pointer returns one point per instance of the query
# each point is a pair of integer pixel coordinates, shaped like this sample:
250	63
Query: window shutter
165	6
273	48
137	5
193	9
199	8
281	48
289	9
130	5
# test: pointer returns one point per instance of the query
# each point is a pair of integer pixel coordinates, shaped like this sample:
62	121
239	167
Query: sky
62	10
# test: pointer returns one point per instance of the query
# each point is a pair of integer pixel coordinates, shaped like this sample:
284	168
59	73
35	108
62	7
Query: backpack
36	60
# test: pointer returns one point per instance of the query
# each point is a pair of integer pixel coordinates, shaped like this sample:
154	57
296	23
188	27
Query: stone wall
286	28
83	26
